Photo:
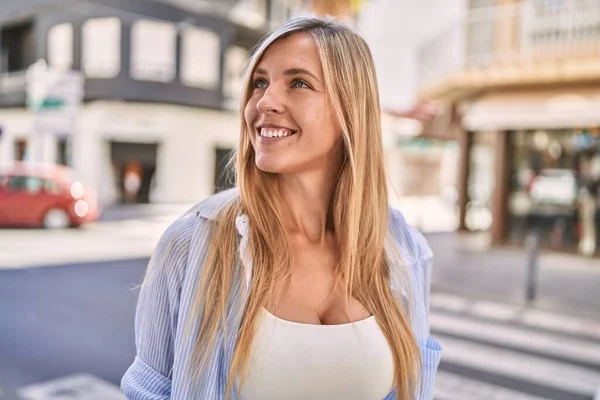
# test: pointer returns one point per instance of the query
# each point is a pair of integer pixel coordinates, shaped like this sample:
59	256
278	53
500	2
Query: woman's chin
268	164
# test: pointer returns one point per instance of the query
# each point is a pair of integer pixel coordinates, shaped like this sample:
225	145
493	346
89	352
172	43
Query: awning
424	120
533	109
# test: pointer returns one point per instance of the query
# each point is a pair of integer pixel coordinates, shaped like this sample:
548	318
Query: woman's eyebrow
291	71
260	71
300	71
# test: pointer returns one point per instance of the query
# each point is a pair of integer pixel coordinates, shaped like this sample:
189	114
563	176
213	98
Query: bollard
533	243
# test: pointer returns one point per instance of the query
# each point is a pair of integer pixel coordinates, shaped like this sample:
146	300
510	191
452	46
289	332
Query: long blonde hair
359	212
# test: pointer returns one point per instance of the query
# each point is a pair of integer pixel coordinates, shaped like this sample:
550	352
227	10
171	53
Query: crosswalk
73	387
495	351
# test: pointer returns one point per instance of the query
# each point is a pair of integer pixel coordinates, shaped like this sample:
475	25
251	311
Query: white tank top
291	360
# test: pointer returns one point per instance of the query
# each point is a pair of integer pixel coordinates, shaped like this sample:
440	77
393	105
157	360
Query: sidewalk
125	212
464	265
126	232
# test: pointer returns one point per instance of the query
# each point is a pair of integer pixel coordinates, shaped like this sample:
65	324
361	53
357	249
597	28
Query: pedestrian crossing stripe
534	370
450	386
560	347
494	347
506	313
72	387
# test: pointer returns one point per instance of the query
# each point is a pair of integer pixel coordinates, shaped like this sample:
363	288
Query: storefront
553	188
531	165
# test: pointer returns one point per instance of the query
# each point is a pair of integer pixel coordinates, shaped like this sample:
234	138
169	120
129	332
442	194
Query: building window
101	47
60	46
28	184
200	53
153	51
235	58
17	47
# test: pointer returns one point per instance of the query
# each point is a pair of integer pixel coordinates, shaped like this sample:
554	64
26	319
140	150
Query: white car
554	186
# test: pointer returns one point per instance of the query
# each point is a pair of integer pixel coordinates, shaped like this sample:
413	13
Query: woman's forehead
294	51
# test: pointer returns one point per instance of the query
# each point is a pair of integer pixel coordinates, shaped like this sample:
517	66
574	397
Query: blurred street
68	322
124	232
116	117
465	264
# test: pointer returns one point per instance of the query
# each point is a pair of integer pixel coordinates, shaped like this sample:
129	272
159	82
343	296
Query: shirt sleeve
431	351
149	377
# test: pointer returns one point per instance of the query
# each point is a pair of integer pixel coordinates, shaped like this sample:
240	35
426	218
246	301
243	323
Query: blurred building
420	149
521	79
162	85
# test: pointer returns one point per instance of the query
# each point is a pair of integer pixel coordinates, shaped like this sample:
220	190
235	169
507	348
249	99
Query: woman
301	283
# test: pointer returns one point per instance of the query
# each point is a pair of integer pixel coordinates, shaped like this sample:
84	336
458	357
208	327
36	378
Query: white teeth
274	132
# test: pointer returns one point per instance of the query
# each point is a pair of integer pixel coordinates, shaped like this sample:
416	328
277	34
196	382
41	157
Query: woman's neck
306	204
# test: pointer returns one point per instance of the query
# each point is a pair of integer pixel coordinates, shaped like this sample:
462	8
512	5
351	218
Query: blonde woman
301	283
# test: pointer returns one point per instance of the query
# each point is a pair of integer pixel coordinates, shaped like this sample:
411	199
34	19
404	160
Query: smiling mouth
272	133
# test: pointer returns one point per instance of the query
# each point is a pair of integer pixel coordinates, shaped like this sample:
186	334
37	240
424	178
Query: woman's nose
270	102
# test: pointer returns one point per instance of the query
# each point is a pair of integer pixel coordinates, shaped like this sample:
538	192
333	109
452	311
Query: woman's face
291	126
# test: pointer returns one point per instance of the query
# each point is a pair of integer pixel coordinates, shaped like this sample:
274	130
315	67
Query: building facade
161	92
522	78
420	151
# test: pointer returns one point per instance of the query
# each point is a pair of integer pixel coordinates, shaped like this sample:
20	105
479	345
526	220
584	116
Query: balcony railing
527	32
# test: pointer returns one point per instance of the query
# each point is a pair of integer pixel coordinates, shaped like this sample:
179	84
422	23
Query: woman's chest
302	361
313	293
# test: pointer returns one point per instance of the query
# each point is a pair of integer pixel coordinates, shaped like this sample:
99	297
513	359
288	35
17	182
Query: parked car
554	186
46	196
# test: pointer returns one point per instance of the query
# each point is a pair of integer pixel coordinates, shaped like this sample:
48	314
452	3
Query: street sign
51	103
54	96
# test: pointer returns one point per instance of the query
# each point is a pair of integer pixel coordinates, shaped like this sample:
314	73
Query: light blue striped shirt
164	351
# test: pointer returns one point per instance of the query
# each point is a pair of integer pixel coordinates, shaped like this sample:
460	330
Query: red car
45	196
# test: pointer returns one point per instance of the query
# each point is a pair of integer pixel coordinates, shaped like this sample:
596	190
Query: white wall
187	139
16	125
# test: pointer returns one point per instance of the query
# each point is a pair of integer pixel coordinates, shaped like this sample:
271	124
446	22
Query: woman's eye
300	84
260	84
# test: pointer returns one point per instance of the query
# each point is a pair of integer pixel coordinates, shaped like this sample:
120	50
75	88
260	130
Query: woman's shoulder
184	242
412	243
196	217
187	234
210	207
